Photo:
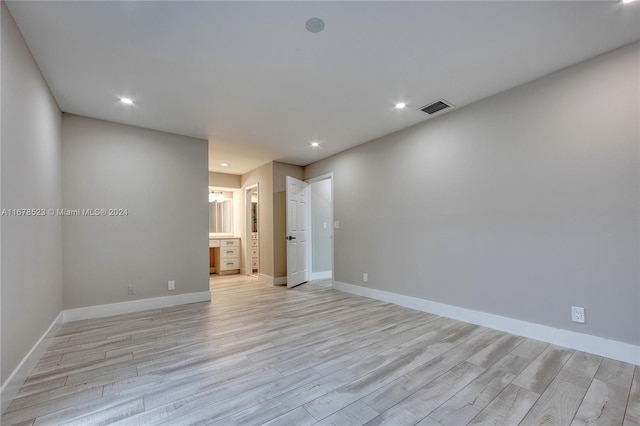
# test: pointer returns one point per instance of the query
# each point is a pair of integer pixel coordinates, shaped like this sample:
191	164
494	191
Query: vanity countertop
226	241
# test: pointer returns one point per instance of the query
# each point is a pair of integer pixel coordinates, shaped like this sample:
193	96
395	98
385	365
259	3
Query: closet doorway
252	255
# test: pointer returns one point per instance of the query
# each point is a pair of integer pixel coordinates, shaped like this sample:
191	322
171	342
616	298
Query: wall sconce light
213	197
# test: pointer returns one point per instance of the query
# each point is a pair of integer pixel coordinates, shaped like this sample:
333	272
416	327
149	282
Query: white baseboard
583	342
324	275
14	382
128	307
272	280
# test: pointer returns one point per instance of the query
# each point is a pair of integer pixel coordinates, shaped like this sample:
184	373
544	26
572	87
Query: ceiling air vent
436	106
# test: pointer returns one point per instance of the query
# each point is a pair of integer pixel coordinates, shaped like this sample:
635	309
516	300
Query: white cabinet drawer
226	255
214	243
229	264
254	264
254	243
227	252
230	243
254	252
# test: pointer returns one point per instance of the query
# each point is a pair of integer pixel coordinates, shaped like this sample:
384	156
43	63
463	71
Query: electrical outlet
577	314
132	290
171	285
336	224
365	277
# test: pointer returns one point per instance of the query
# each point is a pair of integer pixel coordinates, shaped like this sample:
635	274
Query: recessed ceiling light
627	1
315	144
224	164
126	101
315	25
400	105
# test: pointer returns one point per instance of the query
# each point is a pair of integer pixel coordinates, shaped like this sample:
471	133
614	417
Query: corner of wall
17	378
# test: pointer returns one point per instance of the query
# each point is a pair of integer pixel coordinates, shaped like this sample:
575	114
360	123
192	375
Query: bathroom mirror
220	212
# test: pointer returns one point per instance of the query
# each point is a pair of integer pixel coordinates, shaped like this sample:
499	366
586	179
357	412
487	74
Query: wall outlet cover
171	285
131	290
577	314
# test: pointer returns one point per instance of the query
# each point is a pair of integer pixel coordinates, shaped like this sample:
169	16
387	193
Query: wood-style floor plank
604	404
633	408
556	406
508	408
541	372
416	407
357	413
259	354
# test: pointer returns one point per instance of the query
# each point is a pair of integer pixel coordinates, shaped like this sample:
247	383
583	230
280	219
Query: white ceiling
248	77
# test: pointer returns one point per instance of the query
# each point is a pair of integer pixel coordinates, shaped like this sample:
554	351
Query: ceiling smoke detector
315	25
437	106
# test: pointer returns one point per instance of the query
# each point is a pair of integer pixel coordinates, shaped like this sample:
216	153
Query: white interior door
297	232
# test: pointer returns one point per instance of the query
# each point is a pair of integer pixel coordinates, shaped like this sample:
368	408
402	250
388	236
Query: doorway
321	220
252	254
309	230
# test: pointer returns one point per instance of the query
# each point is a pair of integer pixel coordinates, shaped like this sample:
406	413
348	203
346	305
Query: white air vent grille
435	107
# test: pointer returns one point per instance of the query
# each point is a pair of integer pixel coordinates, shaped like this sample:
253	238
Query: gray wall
520	205
31	273
162	180
320	217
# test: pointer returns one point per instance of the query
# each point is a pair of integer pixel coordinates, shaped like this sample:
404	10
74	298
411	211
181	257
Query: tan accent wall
224	180
263	176
280	172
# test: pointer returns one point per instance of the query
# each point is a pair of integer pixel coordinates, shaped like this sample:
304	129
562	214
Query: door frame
248	269
325	176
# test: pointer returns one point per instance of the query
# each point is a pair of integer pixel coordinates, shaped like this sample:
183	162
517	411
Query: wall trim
583	342
131	306
17	378
323	275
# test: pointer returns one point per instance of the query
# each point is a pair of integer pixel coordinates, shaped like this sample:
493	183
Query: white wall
31	274
321	226
162	180
520	205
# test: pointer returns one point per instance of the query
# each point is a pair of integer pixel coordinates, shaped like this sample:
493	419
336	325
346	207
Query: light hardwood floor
267	355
